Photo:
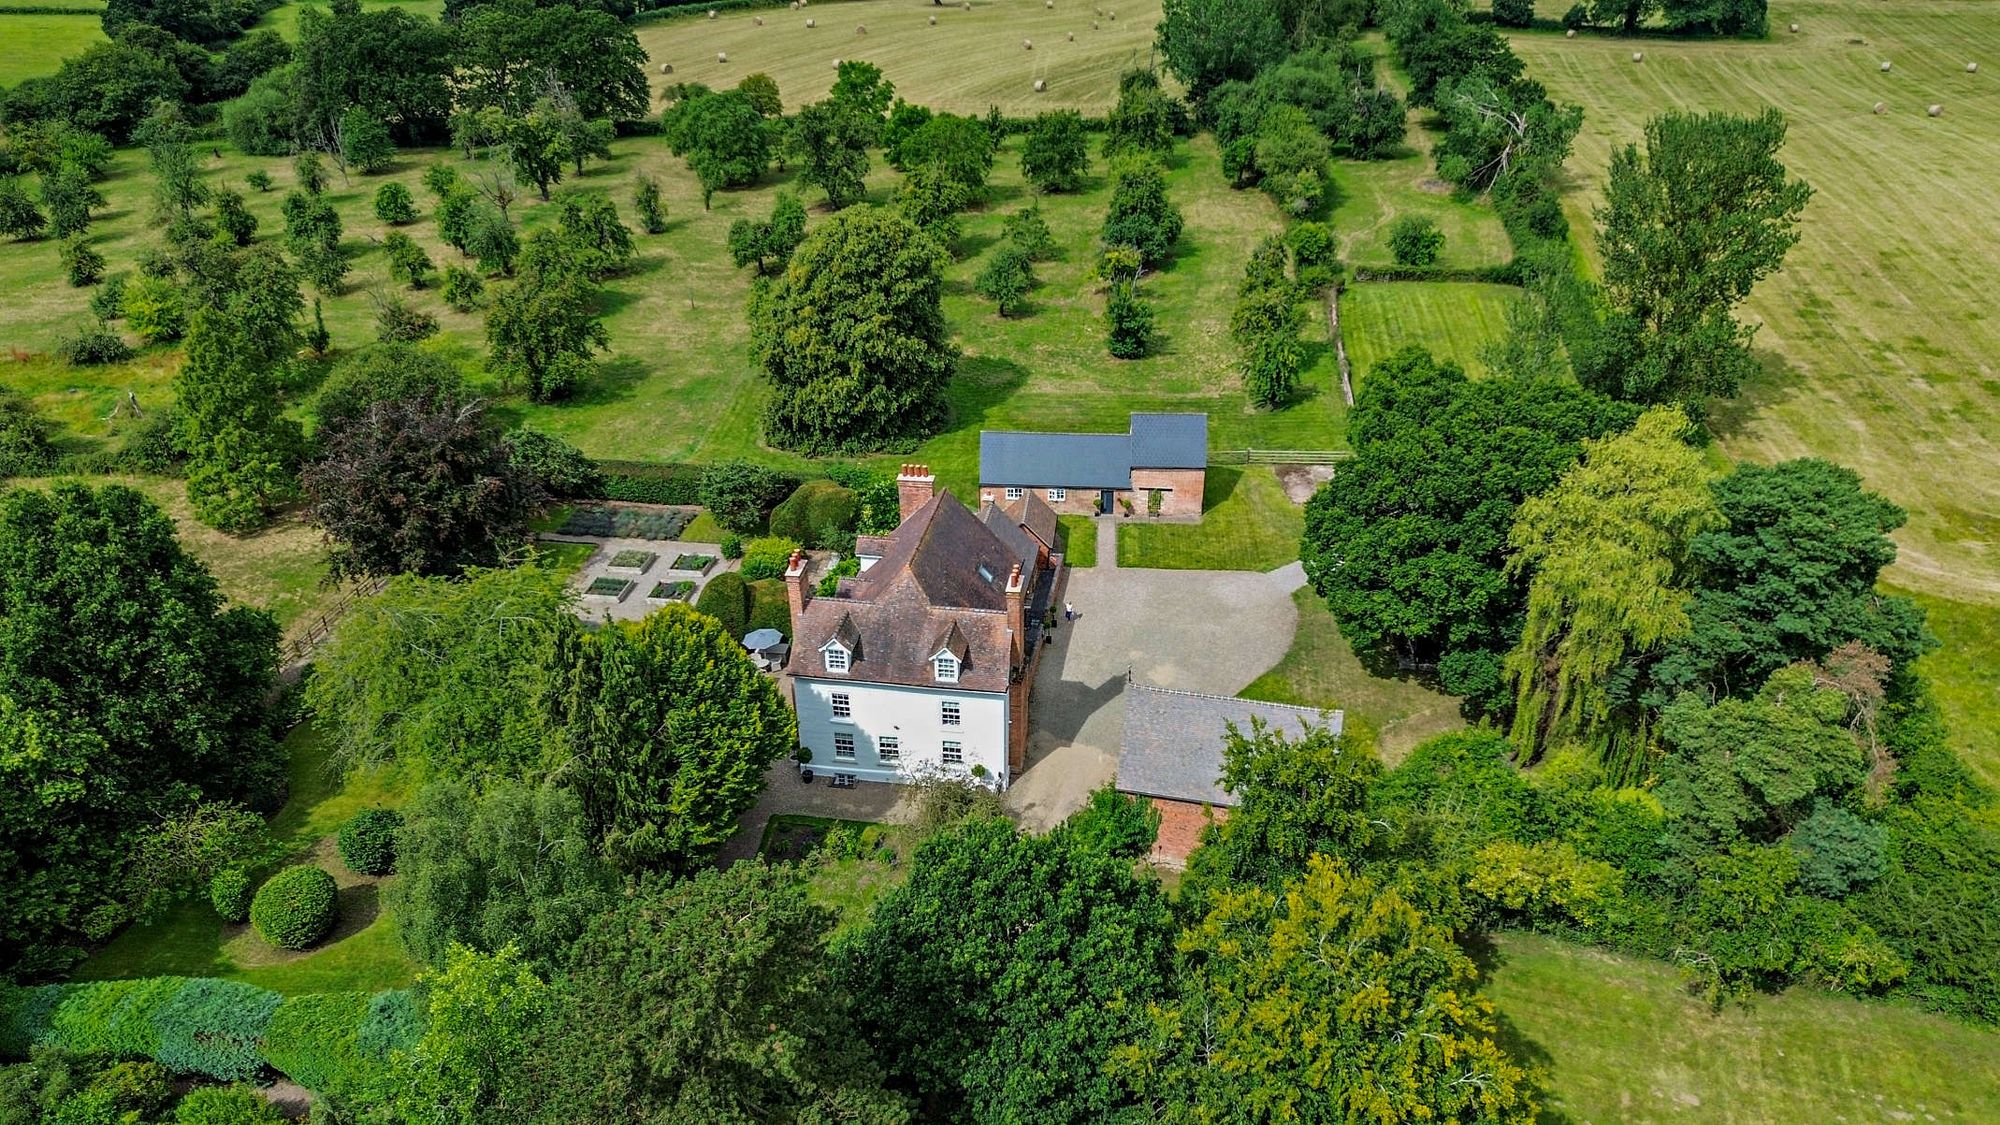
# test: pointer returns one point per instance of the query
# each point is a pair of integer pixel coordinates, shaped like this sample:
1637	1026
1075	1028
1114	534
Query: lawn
1455	320
1321	671
284	19
1372	195
1965	677
363	953
1878	337
34	44
1247	523
1076	538
281	569
849	885
1623	1042
968	61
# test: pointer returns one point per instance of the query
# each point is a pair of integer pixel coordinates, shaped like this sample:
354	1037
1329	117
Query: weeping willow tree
1607	548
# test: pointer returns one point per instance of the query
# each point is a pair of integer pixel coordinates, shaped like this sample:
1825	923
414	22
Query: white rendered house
924	662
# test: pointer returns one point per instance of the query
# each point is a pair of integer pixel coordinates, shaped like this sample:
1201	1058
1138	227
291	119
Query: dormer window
946	667
836	657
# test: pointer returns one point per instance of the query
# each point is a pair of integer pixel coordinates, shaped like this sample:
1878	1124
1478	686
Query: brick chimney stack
914	486
796	591
1017	621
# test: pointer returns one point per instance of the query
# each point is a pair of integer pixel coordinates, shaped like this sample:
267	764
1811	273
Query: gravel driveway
1197	630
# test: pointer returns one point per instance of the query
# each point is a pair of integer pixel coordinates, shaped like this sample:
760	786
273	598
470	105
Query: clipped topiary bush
368	841
229	892
727	599
816	510
767	557
295	907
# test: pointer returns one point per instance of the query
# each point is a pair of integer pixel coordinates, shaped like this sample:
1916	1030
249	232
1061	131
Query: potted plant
804	756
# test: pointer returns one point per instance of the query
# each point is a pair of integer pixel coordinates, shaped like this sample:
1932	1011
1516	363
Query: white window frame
951	753
950	714
842	706
1058	495
843	747
837	657
889	748
1013	494
945	667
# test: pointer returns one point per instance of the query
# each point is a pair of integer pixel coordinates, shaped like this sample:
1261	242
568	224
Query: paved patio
1198	630
634	605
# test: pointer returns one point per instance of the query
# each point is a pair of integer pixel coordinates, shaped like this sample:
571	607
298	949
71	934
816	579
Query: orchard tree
1608	550
1267	327
69	198
1007	279
706	999
958	972
417	486
542	329
241	447
364	141
406	258
954	148
1142	121
1291	161
602	243
127	693
646	200
381	373
394	205
854	339
1208	42
1689	227
665	729
178	189
20	219
1409	546
1335	999
1500	129
769	244
1140	215
722	135
1056	155
832	139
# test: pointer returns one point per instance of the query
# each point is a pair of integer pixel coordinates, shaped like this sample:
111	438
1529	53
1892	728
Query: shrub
295	907
226	1105
113	1017
767	557
154	310
731	546
108	303
727	599
215	1027
1514	13
394	204
739	495
229	892
830	581
259	180
1315	255
407	260
1415	241
561	468
1577	18
1130	322
233	217
646	201
462	288
81	264
819	512
398	321
27	440
315	1040
770	608
91	346
367	841
1029	233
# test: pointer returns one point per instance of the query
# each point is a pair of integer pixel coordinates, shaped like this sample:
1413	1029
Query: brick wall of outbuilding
1181	490
1181	824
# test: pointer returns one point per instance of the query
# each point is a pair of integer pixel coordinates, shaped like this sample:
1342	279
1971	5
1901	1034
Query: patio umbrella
762	639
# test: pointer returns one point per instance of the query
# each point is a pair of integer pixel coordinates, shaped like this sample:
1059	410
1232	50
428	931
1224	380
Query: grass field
1374	194
33	44
1622	1042
284	19
363	952
1965	677
1454	320
1878	337
1247	523
969	61
1322	671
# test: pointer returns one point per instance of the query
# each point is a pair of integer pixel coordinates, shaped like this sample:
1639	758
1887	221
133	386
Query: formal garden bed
633	560
664	592
625	523
699	564
609	588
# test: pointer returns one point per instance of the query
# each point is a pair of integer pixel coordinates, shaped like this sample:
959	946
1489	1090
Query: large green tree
1335	999
241	447
395	64
1208	42
511	53
665	729
1689	226
1608	551
727	143
853	337
1056	155
543	329
831	139
997	981
129	694
485	1014
707	999
1408	544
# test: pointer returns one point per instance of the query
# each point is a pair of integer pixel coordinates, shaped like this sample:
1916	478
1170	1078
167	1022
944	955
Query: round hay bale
711	13
1040	85
1881	108
1027	44
1972	68
1795	29
812	23
1070	37
1935	111
666	68
933	21
1110	14
860	29
795	5
837	62
967	6
759	19
1885	66
1638	56
722	56
1570	34
1093	25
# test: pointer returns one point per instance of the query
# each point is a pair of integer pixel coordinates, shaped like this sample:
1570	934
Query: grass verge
1076	538
1247	523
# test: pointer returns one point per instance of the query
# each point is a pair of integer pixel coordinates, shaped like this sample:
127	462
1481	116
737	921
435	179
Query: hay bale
1093	25
1638	57
1972	68
1049	4
1935	111
837	62
1110	14
1881	108
1027	44
666	68
1570	34
1070	37
1885	66
759	19
1795	29
812	23
711	13
860	29
1040	85
722	56
933	21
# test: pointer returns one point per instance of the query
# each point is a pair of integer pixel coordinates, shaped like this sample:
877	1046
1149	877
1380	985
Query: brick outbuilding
1088	474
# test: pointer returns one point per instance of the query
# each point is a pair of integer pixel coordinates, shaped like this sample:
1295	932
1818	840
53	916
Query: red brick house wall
1181	825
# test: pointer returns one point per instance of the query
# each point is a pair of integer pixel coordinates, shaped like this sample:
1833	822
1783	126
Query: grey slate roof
1037	460
1172	746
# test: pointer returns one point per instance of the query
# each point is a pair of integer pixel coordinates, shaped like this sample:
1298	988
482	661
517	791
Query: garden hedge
727	599
367	841
295	907
650	482
819	512
770	608
223	1029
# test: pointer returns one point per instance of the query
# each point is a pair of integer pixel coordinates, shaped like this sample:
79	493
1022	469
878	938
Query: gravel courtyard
1198	630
